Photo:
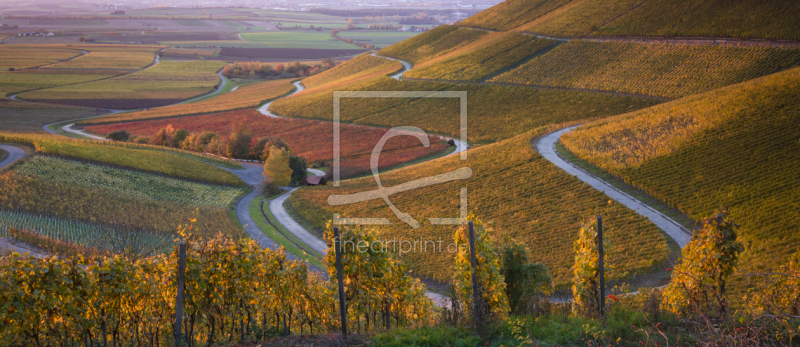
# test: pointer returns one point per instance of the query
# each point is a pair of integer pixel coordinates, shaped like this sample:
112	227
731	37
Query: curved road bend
14	153
406	65
547	148
265	109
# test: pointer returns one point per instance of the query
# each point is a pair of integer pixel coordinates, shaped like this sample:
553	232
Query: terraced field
162	84
495	112
251	95
176	163
433	43
735	148
662	70
128	183
526	197
483	60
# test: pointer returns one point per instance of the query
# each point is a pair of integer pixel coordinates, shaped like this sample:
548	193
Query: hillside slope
769	19
528	199
735	148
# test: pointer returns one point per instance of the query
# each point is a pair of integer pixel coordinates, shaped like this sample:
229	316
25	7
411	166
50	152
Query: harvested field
287	53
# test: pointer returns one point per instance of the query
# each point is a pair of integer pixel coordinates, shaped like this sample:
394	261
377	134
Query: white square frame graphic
338	95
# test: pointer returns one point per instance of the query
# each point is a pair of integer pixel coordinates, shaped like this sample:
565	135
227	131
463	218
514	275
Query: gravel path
547	148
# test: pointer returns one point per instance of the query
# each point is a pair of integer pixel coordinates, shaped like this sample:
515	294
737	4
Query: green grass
298	39
274	234
3	154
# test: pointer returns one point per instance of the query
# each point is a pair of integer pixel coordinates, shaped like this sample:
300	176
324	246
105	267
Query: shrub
120	135
524	281
698	281
271	189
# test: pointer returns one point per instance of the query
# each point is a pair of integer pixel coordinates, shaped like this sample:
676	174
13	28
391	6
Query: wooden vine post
476	296
600	264
179	294
340	279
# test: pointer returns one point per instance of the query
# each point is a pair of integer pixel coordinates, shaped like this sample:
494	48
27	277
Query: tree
178	137
698	280
239	146
524	281
350	24
276	167
491	283
298	166
261	147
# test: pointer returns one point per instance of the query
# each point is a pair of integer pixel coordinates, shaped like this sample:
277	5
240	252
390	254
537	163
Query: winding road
265	109
14	153
547	148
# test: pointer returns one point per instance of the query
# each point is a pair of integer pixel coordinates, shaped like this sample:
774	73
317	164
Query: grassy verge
3	154
278	235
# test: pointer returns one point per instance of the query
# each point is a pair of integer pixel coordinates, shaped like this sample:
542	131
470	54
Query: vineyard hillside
495	112
663	70
365	65
433	43
771	19
733	148
485	59
526	197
